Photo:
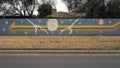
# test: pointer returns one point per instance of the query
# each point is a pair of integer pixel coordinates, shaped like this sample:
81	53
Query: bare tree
53	3
21	7
75	5
24	7
6	8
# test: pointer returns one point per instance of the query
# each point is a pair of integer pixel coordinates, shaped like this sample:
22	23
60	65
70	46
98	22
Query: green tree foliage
100	9
113	9
96	9
44	10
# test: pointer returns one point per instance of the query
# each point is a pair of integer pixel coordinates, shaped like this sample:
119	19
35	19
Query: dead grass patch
60	42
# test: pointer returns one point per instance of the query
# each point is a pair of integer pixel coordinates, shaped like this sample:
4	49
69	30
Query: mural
60	27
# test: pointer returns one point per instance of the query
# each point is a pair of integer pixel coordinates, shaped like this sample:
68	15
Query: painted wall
60	27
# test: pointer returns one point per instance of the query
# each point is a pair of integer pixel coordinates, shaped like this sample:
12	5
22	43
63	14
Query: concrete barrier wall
60	27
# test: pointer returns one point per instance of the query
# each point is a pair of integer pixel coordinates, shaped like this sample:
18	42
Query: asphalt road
59	61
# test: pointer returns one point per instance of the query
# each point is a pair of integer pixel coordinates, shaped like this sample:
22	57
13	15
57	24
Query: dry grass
60	42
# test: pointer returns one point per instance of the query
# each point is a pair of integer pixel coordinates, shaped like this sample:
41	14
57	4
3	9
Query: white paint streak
69	28
36	27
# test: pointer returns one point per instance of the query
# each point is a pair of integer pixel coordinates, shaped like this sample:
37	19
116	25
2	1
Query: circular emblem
52	24
101	22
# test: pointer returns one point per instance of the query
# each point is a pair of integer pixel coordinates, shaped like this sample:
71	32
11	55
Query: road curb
59	51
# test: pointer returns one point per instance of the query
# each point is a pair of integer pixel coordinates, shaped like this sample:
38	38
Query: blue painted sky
5	23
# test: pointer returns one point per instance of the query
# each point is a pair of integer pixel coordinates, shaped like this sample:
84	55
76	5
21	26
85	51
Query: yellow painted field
60	42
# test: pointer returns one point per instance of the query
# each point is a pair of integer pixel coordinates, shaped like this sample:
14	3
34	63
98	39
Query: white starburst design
26	33
52	33
70	20
77	32
110	22
80	22
39	21
6	22
93	19
21	21
62	22
4	29
101	31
